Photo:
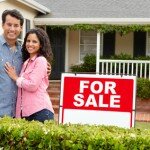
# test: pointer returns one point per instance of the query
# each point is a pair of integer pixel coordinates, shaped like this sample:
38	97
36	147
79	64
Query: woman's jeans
41	116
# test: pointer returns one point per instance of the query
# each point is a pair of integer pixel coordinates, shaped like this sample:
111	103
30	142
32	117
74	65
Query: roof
95	11
35	5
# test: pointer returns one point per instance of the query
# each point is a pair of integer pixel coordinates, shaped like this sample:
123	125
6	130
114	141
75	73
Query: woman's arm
35	77
11	71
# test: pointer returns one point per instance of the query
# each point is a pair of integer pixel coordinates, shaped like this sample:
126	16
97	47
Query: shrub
143	88
18	134
88	65
122	56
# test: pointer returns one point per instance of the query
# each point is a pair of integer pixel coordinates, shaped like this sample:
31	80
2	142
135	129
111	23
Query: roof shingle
97	8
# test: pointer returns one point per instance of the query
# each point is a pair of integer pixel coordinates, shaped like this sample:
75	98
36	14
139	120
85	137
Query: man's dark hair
14	13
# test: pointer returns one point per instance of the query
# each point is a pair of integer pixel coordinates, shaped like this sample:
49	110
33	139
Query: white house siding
124	44
73	48
26	11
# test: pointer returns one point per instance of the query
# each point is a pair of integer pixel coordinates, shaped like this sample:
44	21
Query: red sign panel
97	92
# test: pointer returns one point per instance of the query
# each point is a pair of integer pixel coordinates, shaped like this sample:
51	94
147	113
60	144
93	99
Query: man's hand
49	68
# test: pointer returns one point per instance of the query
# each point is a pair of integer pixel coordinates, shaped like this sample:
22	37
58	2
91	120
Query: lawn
142	125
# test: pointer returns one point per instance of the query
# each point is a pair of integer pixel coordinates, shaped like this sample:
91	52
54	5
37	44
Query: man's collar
3	41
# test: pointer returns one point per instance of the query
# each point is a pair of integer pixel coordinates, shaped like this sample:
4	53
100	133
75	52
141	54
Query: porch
139	68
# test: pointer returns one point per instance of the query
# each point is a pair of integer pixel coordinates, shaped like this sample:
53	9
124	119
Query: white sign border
63	75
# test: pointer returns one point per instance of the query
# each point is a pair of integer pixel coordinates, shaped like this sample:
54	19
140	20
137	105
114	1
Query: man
10	51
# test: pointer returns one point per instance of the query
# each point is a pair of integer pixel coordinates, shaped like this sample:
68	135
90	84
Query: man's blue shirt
8	88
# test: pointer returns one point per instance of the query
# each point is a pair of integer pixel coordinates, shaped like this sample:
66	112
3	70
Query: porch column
98	52
66	50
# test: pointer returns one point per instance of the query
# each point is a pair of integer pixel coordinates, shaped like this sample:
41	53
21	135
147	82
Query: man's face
12	28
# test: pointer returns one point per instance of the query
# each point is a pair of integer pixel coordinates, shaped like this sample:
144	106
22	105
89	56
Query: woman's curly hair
45	46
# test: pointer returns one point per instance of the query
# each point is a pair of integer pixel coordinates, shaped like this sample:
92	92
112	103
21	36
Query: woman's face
32	44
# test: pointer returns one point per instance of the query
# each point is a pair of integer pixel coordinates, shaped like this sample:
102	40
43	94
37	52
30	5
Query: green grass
142	125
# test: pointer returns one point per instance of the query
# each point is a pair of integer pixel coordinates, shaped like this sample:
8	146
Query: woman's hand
11	71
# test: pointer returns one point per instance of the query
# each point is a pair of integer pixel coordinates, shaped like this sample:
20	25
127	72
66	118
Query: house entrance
57	39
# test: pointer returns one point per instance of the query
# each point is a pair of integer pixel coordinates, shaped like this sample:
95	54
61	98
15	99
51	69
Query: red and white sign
97	99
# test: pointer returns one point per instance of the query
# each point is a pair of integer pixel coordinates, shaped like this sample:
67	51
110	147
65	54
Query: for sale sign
98	99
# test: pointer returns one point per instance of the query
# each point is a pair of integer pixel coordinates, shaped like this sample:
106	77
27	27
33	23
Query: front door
57	39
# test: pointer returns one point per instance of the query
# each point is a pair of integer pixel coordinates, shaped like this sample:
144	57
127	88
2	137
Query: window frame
26	27
88	44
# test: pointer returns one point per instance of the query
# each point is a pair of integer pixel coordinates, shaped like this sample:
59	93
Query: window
27	25
148	44
20	38
88	41
26	28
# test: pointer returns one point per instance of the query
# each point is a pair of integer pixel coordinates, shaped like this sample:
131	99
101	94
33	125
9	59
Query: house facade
78	42
29	10
70	46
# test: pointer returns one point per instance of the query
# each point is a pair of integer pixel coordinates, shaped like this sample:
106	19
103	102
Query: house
29	10
71	45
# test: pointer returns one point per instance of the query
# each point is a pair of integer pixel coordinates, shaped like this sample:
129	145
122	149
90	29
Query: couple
33	102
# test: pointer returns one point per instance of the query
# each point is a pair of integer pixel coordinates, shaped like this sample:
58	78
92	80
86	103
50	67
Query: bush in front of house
18	134
121	56
88	65
143	88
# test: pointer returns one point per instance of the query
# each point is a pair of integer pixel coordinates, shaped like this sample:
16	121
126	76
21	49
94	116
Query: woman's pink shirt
34	82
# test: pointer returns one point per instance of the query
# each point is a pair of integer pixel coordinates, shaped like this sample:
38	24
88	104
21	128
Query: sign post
98	99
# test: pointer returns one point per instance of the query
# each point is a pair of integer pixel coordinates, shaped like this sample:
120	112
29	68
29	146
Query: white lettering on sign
101	102
110	86
93	87
83	85
114	99
91	101
97	87
79	100
107	87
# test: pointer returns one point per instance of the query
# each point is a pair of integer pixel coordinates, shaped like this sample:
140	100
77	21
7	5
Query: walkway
143	116
143	110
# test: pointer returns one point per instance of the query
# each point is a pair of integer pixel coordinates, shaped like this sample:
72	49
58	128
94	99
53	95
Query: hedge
18	134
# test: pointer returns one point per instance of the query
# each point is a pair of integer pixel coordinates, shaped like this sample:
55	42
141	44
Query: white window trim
147	43
83	44
101	45
23	31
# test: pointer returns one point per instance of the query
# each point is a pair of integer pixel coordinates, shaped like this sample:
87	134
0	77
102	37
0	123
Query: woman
33	102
